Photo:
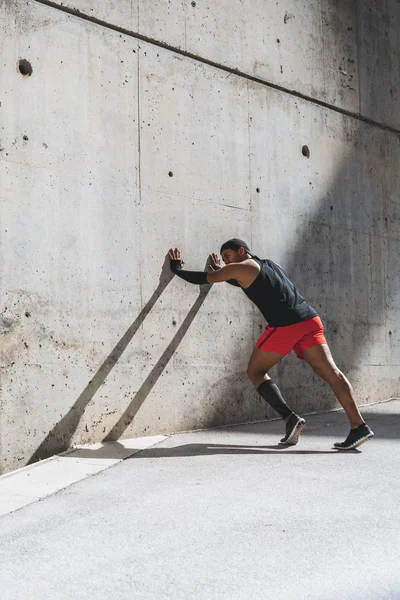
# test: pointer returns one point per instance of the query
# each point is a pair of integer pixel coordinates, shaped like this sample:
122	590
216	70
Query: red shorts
297	337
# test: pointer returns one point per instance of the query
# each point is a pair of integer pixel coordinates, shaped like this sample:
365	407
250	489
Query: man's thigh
321	360
261	362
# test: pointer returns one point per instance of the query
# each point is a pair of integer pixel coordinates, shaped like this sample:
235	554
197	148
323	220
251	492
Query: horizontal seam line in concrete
81	15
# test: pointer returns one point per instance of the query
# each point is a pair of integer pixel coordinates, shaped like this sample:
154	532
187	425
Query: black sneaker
294	426
356	437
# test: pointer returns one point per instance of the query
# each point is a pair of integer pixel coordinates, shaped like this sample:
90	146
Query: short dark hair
235	244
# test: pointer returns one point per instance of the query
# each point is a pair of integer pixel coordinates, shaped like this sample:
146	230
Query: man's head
234	251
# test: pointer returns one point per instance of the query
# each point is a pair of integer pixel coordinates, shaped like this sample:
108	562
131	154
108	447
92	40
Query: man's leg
259	364
320	359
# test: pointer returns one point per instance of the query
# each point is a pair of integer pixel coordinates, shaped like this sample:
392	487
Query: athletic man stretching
292	325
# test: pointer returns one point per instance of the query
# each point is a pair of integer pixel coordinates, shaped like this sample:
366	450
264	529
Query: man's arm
215	265
227	273
230	281
234	271
196	277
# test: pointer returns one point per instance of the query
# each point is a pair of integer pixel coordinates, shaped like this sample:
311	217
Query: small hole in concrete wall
193	4
258	190
25	138
174	322
27	314
171	174
390	333
25	67
331	207
278	41
305	151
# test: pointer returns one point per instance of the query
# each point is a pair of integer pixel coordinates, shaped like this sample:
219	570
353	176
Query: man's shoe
294	426
356	437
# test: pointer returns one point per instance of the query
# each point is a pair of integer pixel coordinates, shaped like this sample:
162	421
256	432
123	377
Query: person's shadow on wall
59	438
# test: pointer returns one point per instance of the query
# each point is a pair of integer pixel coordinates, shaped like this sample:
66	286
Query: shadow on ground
386	425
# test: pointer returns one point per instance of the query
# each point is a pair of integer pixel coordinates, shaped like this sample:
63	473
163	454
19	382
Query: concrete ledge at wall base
35	482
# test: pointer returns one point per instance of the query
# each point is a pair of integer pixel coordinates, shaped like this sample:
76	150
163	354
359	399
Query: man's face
230	256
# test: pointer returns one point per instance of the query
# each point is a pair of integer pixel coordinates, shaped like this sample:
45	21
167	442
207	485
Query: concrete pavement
221	514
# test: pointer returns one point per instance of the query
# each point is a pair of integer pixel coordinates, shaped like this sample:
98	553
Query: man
292	325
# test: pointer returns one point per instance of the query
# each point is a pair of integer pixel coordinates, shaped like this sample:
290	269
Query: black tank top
277	297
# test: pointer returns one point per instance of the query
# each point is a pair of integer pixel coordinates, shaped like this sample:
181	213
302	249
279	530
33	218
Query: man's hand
214	262
175	258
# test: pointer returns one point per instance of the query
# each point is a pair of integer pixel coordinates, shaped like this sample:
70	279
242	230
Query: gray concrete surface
345	54
221	514
92	331
46	477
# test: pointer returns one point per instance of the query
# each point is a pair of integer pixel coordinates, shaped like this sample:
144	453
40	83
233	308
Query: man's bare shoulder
249	262
247	271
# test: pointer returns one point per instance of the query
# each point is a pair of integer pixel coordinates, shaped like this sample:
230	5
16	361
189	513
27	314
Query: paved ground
221	514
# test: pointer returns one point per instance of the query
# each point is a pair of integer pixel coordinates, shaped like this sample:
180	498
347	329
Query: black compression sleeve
196	277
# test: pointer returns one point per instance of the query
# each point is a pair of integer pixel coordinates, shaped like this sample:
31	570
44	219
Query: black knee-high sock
271	394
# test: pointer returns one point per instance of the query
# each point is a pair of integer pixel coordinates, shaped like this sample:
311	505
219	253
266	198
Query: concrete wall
97	340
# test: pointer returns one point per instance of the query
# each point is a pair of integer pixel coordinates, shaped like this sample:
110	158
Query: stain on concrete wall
113	149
